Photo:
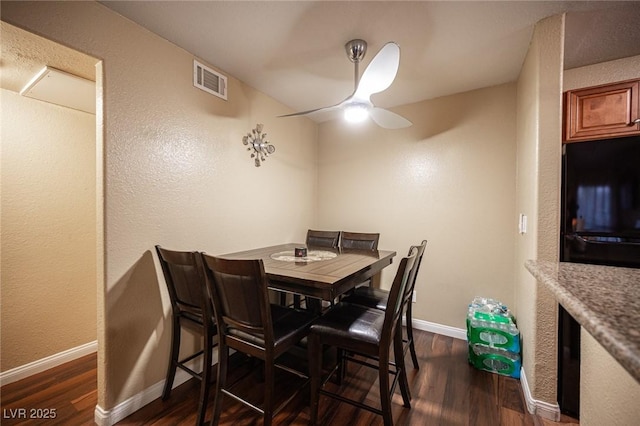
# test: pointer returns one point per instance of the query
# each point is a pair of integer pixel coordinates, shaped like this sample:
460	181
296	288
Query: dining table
322	273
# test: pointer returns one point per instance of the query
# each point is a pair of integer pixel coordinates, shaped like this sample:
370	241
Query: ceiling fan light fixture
376	78
356	113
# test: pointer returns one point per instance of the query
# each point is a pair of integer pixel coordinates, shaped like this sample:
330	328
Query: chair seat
368	296
350	326
288	325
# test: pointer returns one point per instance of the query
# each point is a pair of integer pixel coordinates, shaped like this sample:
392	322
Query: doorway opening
52	211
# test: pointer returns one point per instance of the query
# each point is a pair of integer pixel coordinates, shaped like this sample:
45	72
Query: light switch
522	224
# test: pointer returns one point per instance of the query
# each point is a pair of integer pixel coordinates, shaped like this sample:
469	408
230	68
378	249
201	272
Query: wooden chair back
360	241
395	302
185	279
323	238
414	273
241	299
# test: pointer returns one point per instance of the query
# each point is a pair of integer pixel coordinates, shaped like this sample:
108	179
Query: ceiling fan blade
330	108
380	73
387	119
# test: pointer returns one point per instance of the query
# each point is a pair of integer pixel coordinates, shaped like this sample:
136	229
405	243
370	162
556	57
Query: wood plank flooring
446	390
64	395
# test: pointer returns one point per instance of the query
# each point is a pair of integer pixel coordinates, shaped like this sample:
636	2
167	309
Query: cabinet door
602	112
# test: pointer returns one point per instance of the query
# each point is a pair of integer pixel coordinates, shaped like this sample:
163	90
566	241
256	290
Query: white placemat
312	256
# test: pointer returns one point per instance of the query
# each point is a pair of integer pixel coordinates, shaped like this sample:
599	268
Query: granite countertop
605	300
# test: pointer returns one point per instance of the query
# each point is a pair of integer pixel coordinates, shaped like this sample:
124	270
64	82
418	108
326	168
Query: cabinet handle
634	122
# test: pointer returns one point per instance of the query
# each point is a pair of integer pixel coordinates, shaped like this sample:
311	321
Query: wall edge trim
129	406
110	417
537	407
444	330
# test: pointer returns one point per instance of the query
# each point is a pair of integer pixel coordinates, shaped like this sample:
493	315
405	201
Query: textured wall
538	189
48	249
526	203
176	174
450	178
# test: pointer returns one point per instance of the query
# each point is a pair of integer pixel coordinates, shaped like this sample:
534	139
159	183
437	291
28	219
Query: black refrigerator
600	225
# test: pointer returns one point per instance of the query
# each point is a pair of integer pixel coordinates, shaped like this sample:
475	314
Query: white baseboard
44	364
534	406
444	330
104	417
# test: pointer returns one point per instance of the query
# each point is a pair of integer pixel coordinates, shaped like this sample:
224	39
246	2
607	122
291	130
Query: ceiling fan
376	78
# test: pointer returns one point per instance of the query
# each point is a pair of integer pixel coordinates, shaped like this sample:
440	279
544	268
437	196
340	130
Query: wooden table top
325	279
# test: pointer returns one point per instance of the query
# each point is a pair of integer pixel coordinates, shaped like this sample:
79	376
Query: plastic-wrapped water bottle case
494	339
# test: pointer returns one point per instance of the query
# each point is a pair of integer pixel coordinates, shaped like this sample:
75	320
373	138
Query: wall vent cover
209	80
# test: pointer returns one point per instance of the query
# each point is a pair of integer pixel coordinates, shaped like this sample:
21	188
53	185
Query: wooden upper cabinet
602	112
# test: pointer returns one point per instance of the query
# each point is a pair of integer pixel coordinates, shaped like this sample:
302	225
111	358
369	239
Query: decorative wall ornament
259	145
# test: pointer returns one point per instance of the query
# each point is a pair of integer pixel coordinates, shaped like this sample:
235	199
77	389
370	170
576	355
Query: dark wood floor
445	391
65	394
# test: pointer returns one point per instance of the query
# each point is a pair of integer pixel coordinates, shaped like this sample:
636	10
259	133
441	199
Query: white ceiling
294	51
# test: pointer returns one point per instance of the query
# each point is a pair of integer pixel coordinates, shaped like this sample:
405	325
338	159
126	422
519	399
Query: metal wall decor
259	145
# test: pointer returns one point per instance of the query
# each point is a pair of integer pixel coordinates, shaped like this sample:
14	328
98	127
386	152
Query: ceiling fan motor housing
356	49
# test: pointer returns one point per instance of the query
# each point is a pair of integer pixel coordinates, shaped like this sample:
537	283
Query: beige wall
448	179
48	265
176	174
538	194
603	73
608	393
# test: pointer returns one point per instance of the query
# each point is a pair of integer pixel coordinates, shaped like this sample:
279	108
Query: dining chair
378	298
190	304
323	238
315	239
250	324
359	240
367	331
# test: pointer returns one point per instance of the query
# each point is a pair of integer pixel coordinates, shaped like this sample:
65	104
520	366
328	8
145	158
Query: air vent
209	80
